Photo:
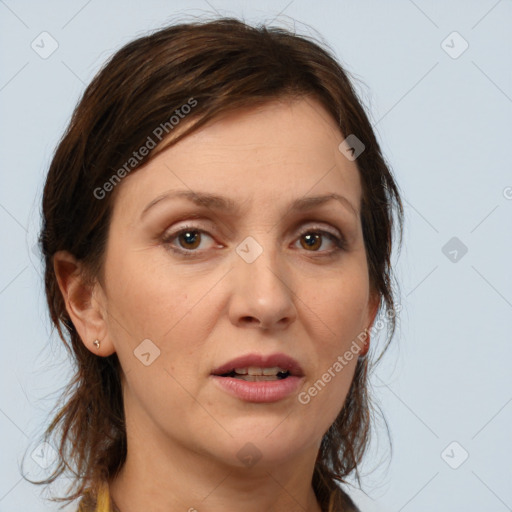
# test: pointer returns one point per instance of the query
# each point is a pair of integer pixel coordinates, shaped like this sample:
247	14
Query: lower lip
262	391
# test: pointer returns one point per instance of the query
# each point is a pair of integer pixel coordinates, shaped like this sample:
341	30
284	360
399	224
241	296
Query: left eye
313	240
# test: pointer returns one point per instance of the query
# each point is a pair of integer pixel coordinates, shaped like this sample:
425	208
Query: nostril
249	320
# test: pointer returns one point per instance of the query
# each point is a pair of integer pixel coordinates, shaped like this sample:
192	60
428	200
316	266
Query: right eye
189	239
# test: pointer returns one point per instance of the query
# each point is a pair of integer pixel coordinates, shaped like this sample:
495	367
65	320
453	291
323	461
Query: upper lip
261	361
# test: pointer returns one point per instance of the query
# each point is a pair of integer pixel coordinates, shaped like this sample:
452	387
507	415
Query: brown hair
223	65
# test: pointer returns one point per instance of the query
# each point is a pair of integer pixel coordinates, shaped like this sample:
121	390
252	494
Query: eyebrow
225	204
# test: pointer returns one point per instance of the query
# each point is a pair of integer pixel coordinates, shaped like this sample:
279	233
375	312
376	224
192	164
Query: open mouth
254	374
260	378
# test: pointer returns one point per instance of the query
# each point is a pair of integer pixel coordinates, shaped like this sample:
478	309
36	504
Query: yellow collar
102	502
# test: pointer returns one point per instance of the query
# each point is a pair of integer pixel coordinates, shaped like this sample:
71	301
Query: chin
269	440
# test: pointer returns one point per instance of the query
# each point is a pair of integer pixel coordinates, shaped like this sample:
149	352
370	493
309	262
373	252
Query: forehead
278	151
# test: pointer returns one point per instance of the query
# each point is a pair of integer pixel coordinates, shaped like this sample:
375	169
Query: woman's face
260	270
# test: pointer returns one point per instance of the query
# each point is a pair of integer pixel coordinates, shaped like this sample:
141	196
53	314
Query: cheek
340	307
152	299
340	302
147	301
145	293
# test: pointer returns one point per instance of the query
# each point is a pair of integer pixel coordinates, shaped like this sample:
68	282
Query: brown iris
192	239
313	241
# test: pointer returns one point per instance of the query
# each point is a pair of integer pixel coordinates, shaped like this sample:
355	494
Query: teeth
255	378
272	371
254	370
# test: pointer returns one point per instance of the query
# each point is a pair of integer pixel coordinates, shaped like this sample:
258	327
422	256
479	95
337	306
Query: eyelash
339	243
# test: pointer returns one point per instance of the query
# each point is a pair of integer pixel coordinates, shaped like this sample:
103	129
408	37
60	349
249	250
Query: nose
261	293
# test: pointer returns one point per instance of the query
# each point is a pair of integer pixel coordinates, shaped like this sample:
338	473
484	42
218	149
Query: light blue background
445	126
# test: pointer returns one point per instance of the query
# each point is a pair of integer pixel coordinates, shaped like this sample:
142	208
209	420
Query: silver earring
96	343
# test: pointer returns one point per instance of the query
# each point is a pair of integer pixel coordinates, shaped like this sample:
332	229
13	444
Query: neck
172	477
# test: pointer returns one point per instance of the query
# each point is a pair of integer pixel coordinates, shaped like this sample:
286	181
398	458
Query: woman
217	230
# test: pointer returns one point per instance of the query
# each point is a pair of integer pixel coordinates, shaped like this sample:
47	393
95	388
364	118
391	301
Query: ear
85	303
373	307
